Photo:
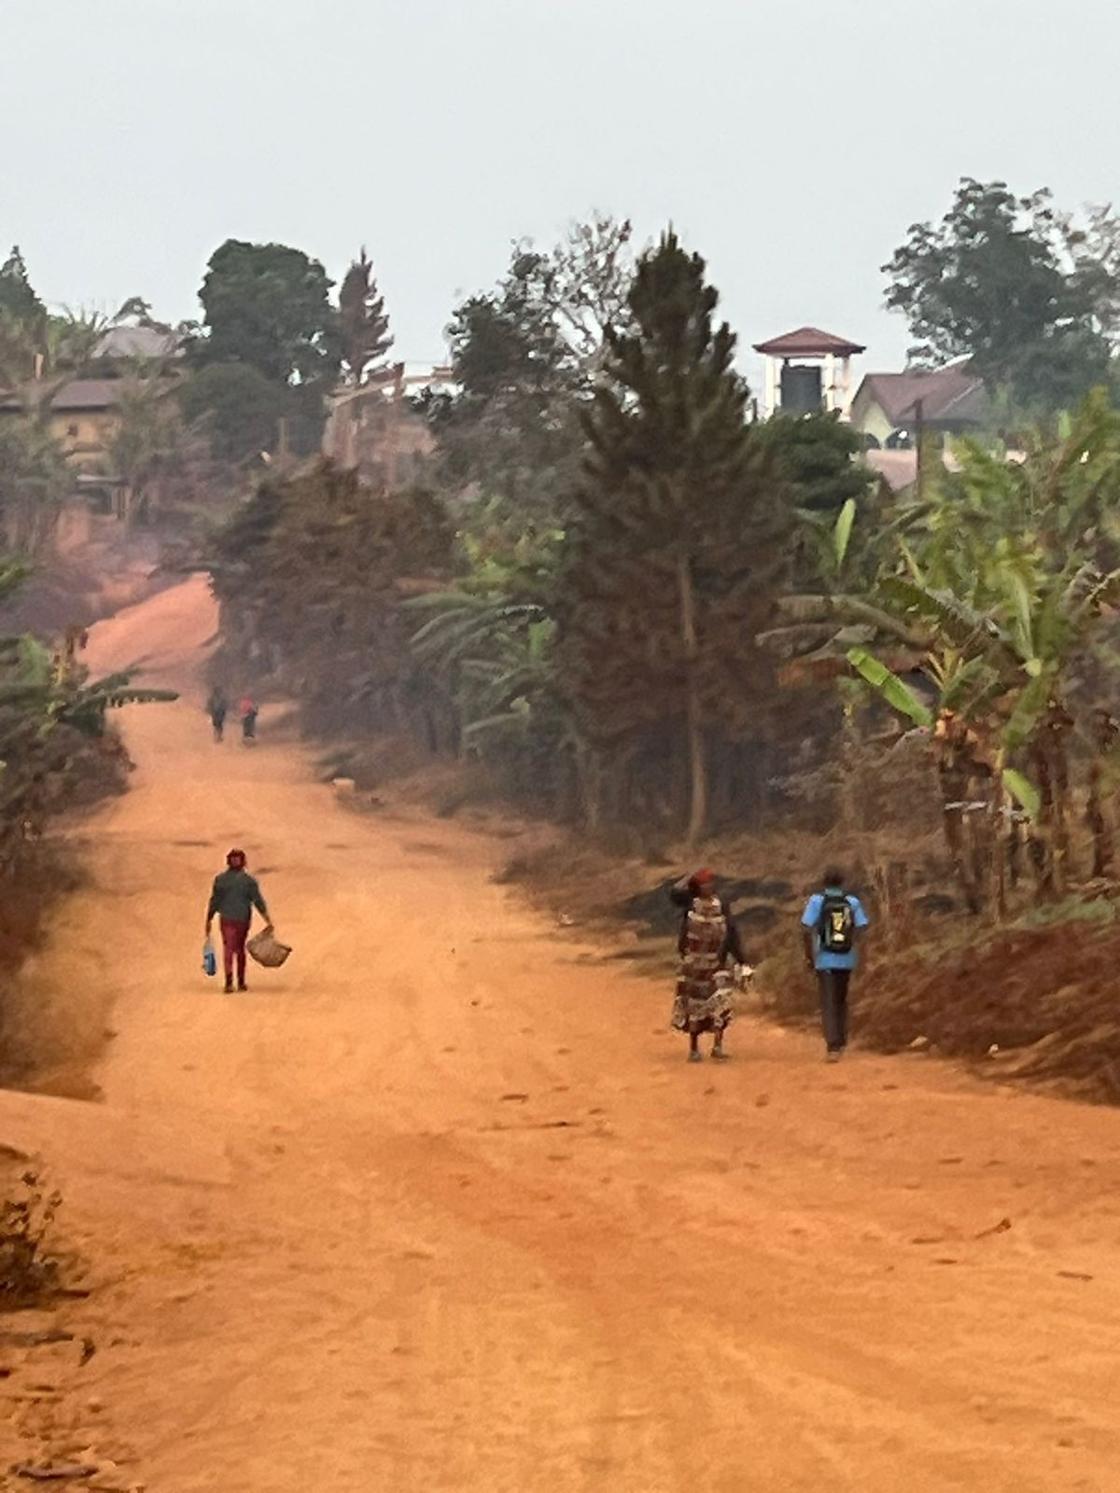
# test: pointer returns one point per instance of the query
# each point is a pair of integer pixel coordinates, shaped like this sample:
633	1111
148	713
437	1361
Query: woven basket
267	949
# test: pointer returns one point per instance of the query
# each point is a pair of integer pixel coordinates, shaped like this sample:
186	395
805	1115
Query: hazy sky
791	141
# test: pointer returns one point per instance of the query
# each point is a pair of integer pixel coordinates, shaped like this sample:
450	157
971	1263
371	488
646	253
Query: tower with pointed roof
808	370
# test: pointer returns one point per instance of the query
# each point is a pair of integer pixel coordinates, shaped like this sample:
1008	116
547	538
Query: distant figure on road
232	900
248	711
831	924
217	708
708	939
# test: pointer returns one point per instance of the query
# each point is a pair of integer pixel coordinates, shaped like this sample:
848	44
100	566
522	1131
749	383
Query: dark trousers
233	949
834	1006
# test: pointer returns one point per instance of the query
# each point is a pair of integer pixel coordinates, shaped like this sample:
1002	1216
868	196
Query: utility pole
396	403
919	431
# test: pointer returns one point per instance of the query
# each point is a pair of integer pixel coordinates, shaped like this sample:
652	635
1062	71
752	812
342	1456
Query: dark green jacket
235	895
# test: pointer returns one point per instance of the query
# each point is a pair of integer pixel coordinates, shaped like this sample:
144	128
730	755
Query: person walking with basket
831	925
234	896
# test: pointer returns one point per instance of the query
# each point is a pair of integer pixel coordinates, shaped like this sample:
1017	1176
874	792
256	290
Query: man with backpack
831	924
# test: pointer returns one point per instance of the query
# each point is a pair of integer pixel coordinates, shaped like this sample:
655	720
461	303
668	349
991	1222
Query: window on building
73	431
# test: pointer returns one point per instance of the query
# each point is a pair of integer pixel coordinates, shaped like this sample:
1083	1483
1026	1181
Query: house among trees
84	414
889	407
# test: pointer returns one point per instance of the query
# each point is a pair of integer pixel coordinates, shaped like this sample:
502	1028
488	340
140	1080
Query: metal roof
137	342
78	394
808	342
954	393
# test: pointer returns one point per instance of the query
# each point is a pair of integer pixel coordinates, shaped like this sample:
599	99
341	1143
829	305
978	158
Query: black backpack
837	924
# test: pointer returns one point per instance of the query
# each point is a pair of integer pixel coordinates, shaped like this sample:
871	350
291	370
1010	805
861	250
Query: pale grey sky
791	141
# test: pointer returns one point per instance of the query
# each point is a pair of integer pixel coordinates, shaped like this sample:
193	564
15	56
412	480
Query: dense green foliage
266	312
272	346
816	456
626	598
34	481
311	575
50	711
990	624
670	555
591	638
237	407
1027	294
18	300
523	358
268	305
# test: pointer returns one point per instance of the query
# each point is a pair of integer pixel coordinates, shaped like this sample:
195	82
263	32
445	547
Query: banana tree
999	677
493	656
967	768
993	593
42	711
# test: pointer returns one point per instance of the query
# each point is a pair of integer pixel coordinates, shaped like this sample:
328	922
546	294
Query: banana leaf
1023	791
1029	710
890	687
959	623
842	534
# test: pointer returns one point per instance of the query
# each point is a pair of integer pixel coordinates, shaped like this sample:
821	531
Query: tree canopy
268	305
237	406
523	356
818	455
309	577
1009	283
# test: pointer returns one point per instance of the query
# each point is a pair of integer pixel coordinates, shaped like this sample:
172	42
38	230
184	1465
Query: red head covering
704	877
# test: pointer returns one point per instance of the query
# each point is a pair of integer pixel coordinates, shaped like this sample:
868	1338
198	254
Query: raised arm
680	893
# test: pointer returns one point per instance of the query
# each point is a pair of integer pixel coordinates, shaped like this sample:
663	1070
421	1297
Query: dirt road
440	1206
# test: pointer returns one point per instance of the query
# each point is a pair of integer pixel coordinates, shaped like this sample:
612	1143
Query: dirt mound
43	1045
1045	998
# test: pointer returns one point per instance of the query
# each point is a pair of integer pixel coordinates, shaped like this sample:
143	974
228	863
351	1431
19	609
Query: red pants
233	948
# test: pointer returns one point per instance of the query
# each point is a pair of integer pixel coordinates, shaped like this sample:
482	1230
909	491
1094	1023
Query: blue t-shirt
811	918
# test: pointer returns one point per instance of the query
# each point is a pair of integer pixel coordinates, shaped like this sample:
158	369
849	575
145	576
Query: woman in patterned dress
708	939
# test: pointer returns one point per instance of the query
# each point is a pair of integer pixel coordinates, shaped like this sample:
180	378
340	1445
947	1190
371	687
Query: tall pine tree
363	322
17	296
667	564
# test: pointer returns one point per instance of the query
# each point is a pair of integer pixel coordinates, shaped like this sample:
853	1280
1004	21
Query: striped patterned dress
703	998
